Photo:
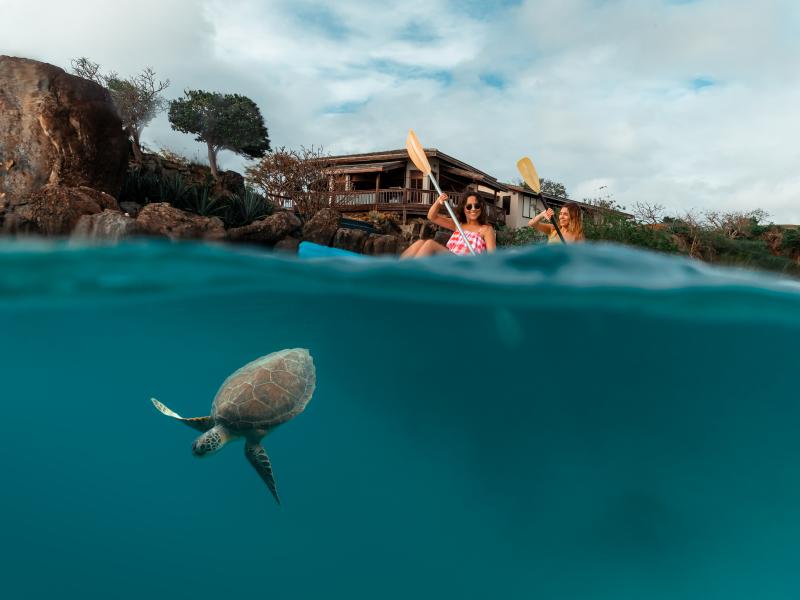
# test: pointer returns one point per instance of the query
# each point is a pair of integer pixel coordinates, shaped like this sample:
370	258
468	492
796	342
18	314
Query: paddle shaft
453	214
555	219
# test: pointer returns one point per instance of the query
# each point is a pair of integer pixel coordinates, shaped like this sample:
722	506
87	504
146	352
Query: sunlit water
587	422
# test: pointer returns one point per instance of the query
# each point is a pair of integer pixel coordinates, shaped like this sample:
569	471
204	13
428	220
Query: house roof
356	163
560	200
377	167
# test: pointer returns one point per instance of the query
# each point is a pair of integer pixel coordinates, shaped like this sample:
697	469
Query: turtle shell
266	392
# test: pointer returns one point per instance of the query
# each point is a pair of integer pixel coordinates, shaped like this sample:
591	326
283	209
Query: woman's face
472	208
563	218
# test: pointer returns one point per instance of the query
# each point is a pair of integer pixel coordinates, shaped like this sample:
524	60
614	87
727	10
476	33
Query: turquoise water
585	422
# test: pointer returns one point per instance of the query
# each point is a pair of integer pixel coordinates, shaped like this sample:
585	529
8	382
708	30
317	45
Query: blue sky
690	104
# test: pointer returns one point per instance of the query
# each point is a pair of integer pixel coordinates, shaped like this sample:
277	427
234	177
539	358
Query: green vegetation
137	99
735	238
519	237
221	121
235	210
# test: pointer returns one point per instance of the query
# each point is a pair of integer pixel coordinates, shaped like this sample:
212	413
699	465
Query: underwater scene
555	422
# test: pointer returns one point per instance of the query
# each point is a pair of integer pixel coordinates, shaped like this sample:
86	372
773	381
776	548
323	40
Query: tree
648	213
548	186
554	188
299	175
137	99
223	122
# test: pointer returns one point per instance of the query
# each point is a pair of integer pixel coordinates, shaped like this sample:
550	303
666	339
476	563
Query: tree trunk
212	162
137	149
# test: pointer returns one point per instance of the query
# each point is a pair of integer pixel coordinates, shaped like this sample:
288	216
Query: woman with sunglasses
472	218
569	221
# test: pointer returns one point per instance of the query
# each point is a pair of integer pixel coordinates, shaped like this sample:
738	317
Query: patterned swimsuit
457	245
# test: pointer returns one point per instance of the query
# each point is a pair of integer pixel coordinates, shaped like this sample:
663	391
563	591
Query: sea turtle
251	403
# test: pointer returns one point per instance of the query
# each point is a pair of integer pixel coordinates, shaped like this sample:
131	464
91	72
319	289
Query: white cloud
692	105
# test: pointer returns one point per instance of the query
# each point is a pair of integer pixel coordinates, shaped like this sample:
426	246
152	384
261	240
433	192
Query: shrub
247	207
519	237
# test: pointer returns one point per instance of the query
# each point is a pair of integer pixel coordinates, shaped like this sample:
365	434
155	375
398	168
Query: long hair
461	212
575	220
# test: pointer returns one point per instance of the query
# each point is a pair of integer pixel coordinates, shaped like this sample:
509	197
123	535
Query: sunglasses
472	206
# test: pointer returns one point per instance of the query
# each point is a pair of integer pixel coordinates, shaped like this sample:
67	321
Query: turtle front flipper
258	458
199	423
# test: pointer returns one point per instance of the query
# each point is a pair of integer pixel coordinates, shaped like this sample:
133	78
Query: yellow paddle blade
417	153
529	175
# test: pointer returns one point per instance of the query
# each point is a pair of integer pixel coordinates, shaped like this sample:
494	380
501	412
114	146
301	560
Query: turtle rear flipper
199	423
258	458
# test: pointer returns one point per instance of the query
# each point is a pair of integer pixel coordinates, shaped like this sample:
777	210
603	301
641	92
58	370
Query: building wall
523	207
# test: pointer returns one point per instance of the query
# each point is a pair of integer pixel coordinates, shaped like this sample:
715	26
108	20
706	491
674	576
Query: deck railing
409	200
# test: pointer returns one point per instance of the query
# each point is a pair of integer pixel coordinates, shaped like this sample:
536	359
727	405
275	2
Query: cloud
688	104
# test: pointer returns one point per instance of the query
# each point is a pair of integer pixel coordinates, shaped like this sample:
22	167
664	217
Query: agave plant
139	187
247	207
200	200
174	190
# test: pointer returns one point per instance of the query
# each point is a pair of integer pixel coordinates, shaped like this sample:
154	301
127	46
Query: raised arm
545	228
433	214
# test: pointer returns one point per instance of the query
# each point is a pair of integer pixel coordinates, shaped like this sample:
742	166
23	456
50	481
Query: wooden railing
411	200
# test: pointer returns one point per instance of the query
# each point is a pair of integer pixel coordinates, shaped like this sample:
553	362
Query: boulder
383	244
132	208
442	236
107	225
55	210
350	239
56	129
322	227
288	245
164	220
267	231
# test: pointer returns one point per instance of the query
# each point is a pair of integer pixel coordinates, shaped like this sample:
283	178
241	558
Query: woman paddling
569	221
472	217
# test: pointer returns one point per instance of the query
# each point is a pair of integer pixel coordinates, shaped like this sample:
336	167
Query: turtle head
211	441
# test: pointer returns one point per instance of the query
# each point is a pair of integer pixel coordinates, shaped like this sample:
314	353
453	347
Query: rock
442	236
55	210
322	227
56	129
384	223
107	225
418	229
267	231
350	239
288	244
164	220
132	208
383	244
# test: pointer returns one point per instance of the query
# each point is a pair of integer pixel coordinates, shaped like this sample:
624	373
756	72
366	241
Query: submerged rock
383	244
163	220
350	239
322	227
132	208
267	231
288	245
107	225
55	210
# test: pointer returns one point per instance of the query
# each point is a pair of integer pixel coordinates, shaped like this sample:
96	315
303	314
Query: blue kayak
312	250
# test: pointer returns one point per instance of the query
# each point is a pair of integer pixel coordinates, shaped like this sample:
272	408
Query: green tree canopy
548	186
221	121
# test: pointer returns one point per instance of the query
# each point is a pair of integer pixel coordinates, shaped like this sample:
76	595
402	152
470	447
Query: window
507	204
529	207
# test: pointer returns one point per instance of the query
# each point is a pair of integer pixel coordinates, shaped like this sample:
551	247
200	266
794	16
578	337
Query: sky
691	104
